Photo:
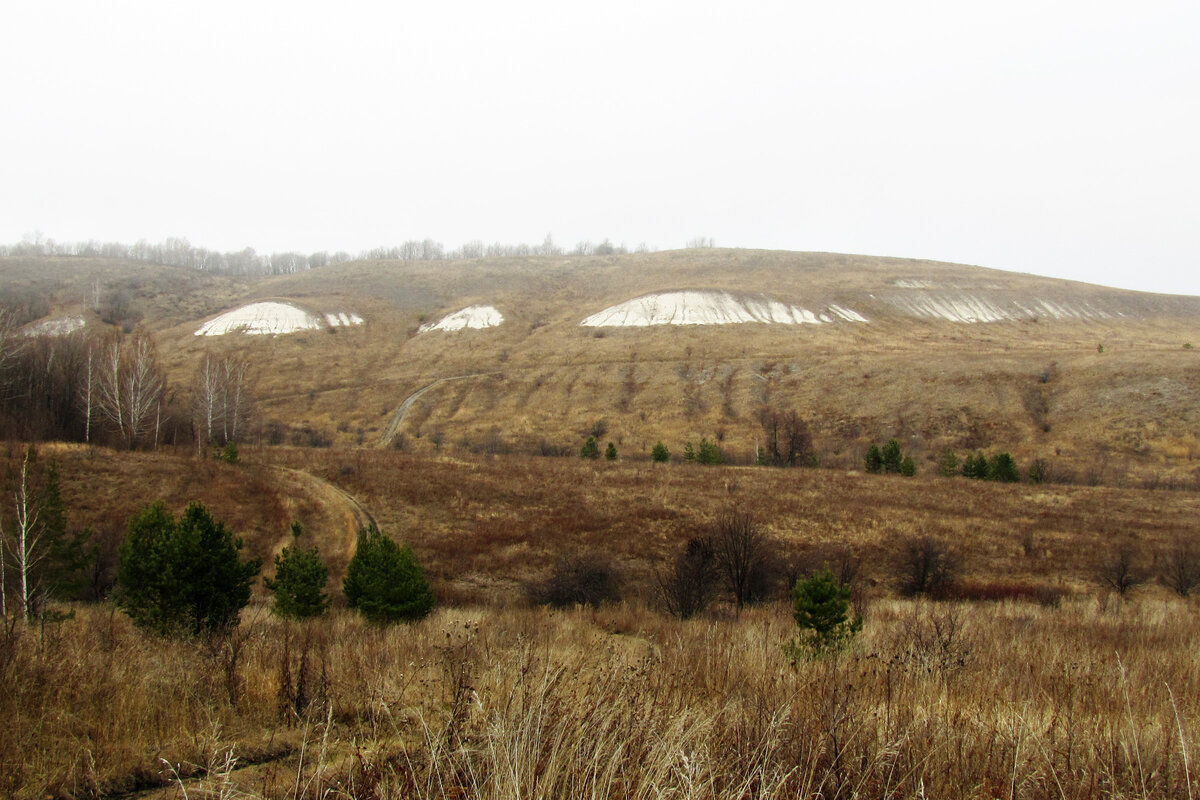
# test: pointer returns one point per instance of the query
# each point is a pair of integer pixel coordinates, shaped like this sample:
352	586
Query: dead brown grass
1093	697
947	700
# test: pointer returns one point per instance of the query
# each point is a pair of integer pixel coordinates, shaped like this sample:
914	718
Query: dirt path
332	512
397	419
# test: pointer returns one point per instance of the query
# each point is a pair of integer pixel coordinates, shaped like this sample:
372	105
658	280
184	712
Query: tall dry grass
937	700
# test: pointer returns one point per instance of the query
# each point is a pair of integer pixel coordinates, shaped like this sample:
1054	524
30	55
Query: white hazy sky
1059	138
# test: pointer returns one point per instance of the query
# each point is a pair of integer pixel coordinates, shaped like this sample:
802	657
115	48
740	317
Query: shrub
588	579
660	453
228	453
927	566
688	588
384	582
1039	471
821	608
590	449
744	555
1118	570
299	582
1181	566
182	576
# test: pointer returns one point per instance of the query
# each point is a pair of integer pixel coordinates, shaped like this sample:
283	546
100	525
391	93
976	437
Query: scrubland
1084	694
1093	698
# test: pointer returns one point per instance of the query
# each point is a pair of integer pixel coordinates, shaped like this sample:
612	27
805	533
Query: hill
936	355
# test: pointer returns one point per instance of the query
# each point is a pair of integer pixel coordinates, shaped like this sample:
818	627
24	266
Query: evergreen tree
590	449
891	456
610	452
384	582
948	465
821	608
709	453
873	462
660	453
689	452
1003	469
183	576
975	466
299	582
908	467
62	573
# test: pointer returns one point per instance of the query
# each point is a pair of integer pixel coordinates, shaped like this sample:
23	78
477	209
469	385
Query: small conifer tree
660	453
299	582
709	453
948	465
975	466
590	449
891	456
689	452
873	462
821	608
384	582
183	576
1002	468
908	467
610	452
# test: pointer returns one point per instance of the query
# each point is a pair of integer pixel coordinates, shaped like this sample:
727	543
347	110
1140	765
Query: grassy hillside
1034	384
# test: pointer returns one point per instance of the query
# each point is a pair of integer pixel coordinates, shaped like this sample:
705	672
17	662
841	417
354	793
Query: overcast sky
1058	138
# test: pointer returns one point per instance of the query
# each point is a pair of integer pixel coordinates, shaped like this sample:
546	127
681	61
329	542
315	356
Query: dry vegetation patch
944	699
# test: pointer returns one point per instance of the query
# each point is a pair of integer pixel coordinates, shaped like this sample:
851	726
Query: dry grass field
1086	696
948	700
1030	680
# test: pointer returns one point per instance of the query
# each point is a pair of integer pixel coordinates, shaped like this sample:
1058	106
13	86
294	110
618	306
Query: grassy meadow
1071	693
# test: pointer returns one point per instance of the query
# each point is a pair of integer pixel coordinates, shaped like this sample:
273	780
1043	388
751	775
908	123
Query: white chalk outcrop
471	317
63	326
973	308
270	318
711	308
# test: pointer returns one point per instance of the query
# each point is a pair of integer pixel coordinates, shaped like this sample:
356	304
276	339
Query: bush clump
587	579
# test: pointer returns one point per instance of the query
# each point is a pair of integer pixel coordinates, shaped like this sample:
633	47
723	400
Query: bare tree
687	587
85	391
1119	571
11	344
222	398
1181	566
788	440
130	385
927	566
741	551
28	551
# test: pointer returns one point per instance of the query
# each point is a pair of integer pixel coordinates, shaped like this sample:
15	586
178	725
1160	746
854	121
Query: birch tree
129	386
222	398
